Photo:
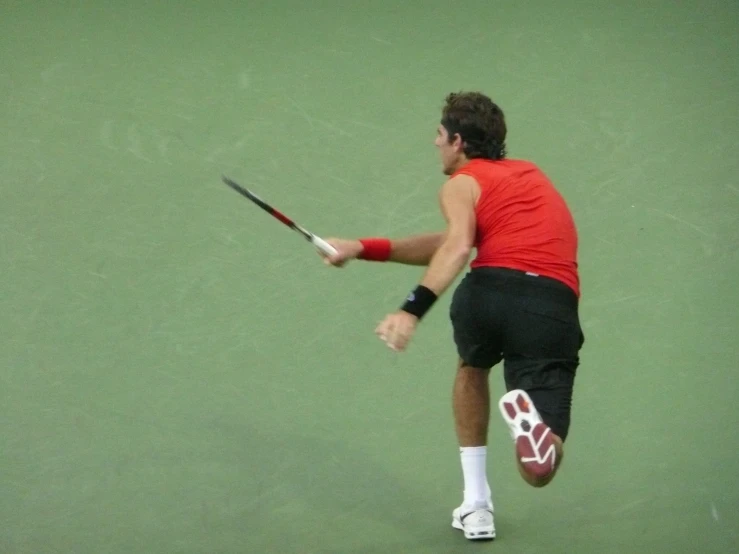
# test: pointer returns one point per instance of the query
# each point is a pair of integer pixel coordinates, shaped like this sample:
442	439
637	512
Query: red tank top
523	222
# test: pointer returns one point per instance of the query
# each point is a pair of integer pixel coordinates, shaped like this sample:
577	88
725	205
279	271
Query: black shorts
530	322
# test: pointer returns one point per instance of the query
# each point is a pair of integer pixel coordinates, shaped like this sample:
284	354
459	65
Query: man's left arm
457	199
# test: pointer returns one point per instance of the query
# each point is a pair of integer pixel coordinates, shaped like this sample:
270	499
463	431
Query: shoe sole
479	534
535	445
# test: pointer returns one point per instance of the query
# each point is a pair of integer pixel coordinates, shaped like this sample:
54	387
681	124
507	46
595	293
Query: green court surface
180	374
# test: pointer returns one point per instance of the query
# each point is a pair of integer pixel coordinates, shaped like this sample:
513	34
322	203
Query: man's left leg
471	403
474	313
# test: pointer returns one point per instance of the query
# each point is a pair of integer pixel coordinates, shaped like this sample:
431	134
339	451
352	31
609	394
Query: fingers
395	332
337	260
384	331
340	258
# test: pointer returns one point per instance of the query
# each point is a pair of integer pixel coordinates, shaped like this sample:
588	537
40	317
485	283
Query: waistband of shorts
524	282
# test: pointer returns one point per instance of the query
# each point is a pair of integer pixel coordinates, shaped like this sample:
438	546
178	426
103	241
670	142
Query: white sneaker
477	524
534	440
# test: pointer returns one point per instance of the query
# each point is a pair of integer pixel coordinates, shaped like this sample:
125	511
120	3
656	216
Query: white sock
476	489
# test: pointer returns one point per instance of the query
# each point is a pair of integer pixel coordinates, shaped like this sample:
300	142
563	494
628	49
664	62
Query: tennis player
517	304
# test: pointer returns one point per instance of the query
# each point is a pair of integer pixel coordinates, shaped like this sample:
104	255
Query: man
518	303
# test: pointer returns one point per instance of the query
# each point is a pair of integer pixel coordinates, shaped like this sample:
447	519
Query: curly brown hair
479	122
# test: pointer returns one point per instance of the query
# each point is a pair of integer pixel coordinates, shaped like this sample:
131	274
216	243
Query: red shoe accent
511	409
522	404
536	451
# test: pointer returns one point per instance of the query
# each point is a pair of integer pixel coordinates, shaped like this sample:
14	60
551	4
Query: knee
536	481
470	373
540	482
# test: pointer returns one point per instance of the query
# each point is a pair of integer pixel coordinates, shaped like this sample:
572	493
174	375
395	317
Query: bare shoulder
461	187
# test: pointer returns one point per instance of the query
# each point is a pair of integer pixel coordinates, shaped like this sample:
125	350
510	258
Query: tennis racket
315	240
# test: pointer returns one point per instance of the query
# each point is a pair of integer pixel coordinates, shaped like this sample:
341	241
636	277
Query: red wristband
375	249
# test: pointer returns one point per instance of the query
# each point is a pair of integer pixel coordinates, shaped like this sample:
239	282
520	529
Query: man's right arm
412	250
416	249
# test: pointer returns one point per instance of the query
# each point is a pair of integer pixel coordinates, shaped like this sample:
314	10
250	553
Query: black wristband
419	301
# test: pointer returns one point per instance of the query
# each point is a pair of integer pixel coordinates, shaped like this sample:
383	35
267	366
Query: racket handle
323	246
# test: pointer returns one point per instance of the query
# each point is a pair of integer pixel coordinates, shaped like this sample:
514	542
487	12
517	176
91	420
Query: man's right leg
541	351
539	450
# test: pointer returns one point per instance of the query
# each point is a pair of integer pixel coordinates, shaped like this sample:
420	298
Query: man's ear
458	142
